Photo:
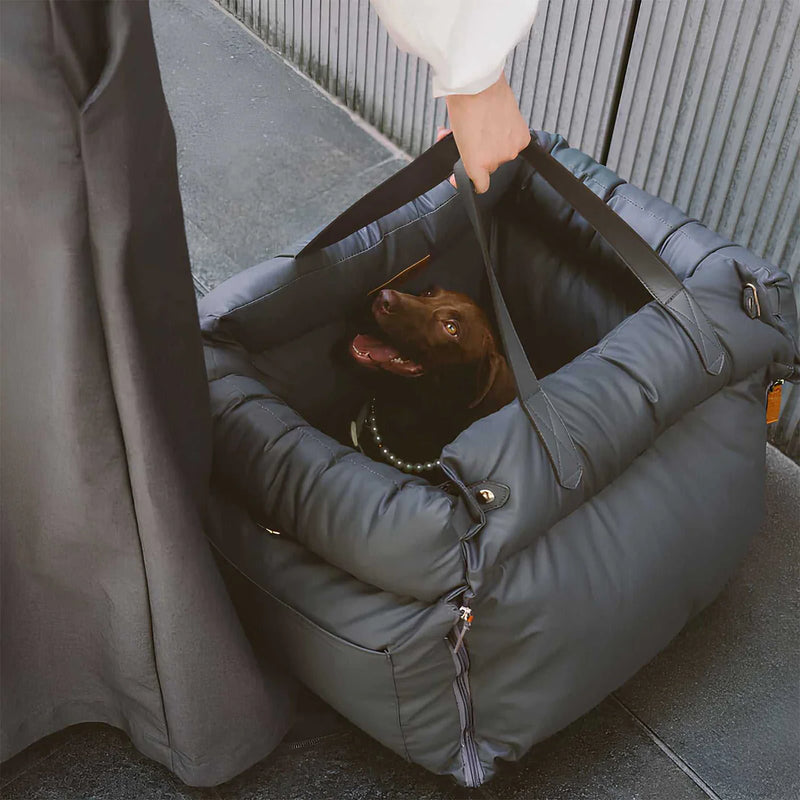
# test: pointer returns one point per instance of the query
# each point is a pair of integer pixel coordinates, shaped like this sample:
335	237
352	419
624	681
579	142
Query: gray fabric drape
112	607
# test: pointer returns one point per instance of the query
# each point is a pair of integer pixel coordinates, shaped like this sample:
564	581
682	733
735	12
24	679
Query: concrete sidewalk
266	158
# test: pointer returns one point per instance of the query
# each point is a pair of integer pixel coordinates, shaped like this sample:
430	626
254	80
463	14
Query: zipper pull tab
466	617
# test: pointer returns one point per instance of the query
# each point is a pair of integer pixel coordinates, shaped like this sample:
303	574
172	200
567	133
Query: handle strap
648	267
543	416
436	164
421	175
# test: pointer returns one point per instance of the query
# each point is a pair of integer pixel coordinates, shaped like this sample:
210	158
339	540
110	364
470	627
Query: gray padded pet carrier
581	526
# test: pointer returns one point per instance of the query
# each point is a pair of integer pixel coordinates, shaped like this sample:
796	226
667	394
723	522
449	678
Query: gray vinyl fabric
356	571
113	609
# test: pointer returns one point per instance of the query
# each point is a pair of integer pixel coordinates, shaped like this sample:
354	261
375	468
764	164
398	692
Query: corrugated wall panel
708	117
564	72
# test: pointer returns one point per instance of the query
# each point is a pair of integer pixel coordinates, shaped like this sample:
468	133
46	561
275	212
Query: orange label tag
774	402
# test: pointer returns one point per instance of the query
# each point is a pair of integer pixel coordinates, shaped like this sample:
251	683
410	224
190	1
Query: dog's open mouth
372	352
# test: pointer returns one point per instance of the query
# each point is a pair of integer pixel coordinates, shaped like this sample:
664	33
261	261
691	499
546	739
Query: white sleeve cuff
440	89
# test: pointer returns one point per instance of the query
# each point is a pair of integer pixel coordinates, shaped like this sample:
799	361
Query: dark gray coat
112	607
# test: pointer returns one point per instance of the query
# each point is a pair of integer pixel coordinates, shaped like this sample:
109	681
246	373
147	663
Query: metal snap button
486	496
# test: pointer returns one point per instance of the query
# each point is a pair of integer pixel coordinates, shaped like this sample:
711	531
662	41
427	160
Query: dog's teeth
399	360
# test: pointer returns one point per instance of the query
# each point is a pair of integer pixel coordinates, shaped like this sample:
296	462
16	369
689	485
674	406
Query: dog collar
405	466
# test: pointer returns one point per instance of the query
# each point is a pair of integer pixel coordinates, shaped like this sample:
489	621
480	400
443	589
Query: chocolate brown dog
438	368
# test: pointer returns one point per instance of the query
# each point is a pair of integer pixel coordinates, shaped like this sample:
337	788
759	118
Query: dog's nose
387	300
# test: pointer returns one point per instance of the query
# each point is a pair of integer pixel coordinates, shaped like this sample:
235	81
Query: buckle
750	301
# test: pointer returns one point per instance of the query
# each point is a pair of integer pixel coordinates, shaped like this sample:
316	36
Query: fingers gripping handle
543	416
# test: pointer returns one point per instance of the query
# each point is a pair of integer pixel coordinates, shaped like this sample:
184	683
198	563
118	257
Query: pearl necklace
405	466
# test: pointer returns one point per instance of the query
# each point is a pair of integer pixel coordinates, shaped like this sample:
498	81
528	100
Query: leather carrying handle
436	164
650	269
426	171
544	418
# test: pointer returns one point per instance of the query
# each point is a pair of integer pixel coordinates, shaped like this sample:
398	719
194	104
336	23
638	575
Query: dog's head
439	334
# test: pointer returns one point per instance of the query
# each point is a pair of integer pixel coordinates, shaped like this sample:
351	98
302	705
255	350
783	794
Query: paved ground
264	159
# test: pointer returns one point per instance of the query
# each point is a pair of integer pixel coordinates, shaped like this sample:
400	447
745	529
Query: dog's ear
488	369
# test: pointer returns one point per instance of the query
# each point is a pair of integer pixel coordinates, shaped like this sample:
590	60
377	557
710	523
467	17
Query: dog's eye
451	328
429	292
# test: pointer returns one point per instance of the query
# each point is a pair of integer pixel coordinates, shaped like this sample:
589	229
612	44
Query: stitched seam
698	341
715	251
692	322
274	416
341	260
559	443
397	703
676	230
702	323
695	325
701	327
309	432
701	343
568	444
351	458
555	450
597	183
614	334
306	430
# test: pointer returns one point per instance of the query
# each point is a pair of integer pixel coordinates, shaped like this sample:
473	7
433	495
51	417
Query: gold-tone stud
486	496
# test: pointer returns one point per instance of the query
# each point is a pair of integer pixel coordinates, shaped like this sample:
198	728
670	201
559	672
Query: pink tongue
377	354
373	348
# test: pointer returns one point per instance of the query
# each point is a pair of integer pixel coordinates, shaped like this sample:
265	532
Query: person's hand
489	130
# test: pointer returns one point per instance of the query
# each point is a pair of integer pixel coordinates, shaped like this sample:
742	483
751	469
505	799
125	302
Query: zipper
473	771
466	616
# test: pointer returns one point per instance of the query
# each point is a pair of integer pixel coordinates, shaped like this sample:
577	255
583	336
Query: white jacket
465	41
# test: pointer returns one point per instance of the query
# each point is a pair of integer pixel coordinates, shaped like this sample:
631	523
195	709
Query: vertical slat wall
708	116
564	72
